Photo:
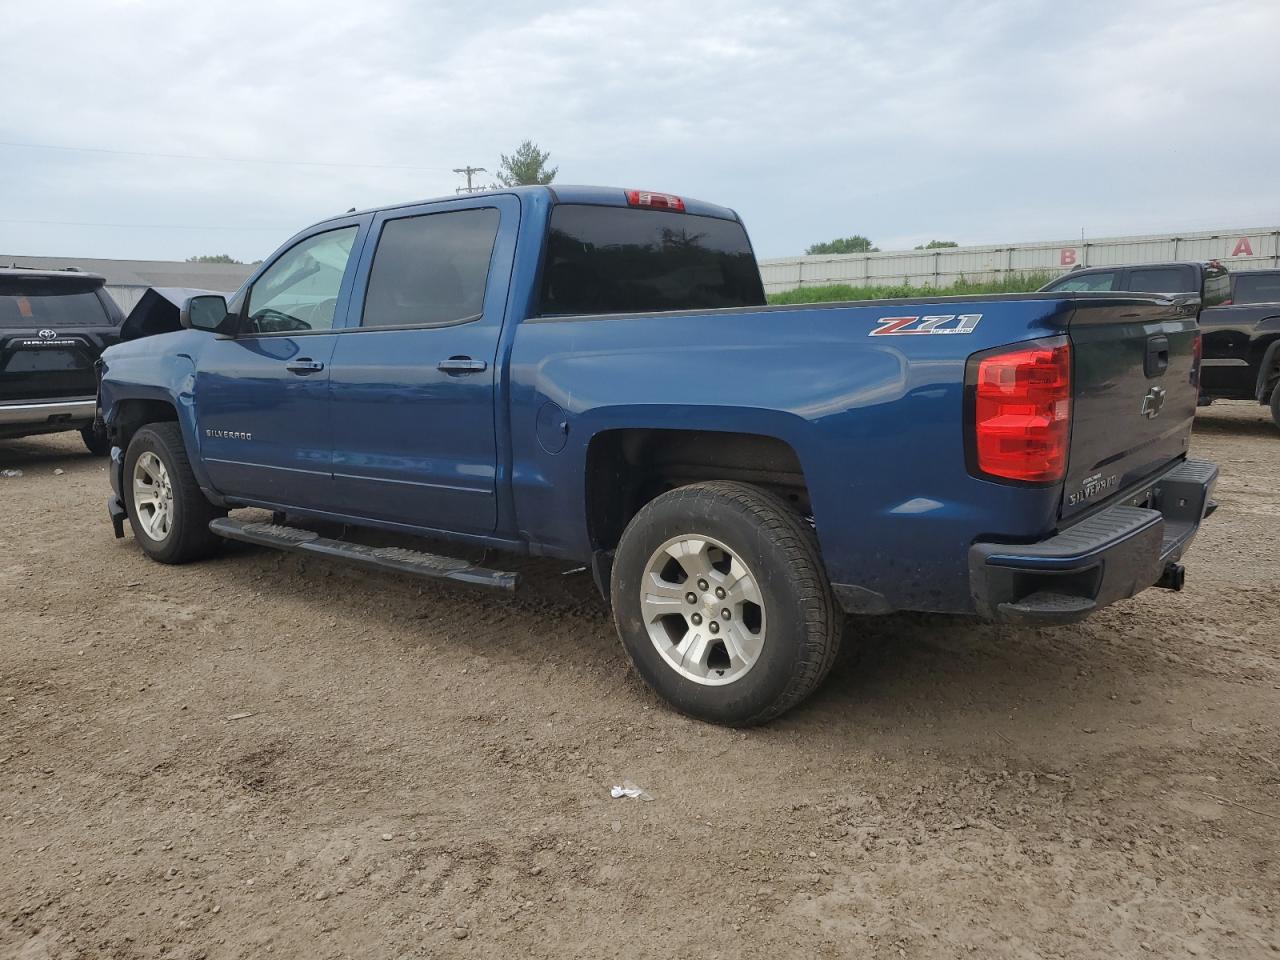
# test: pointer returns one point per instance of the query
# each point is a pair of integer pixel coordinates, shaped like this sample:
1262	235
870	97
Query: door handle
1156	361
461	365
304	365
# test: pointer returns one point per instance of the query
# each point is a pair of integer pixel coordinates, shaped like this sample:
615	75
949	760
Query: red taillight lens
659	201
1196	355
1022	413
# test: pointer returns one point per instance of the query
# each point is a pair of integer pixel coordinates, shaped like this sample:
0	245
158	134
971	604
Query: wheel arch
628	467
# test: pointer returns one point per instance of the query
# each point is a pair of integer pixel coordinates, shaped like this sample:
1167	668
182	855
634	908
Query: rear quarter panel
876	422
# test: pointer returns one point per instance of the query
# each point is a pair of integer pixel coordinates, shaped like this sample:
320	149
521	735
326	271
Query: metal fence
1250	249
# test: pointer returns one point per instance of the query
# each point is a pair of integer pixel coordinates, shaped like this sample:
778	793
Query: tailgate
36	367
1133	396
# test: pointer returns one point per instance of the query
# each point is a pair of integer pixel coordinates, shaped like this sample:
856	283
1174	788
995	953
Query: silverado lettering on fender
593	374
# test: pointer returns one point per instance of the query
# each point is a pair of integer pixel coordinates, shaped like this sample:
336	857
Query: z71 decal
905	326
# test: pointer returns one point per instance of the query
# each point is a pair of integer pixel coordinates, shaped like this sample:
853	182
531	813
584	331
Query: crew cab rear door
414	373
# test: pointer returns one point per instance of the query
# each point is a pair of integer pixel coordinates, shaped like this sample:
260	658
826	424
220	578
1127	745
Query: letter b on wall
1067	257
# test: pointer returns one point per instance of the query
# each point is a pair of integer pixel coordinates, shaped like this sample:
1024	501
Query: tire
773	650
184	535
95	439
1275	404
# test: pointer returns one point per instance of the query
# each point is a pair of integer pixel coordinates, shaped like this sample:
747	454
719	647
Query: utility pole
469	172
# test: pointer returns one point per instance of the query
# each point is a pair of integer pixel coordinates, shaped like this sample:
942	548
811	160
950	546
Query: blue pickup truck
594	374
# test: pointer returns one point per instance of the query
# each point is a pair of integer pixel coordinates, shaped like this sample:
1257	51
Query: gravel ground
257	756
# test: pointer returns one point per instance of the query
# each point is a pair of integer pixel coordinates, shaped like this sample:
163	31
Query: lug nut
702	584
724	614
720	593
713	627
691	597
696	618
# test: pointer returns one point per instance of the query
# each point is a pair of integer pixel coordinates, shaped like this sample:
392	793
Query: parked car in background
54	324
1242	343
593	374
1239	321
1255	286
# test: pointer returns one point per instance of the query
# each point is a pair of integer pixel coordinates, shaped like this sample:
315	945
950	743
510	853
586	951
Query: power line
143	226
469	171
204	157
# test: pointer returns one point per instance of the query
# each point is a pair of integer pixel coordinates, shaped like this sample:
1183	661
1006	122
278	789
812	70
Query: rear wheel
722	603
1275	404
168	513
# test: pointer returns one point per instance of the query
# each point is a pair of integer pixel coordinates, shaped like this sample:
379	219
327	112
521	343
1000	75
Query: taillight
1196	354
659	201
1022	412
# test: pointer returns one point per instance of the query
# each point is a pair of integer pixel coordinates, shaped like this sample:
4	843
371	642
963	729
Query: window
1163	280
299	292
431	270
623	260
1257	288
56	305
1086	283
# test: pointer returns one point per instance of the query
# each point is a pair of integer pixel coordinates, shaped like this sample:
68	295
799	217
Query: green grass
1016	283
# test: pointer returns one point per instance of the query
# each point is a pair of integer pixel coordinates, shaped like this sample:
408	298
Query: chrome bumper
48	411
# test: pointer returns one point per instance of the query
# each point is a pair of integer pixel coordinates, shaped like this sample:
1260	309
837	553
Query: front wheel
722	603
168	513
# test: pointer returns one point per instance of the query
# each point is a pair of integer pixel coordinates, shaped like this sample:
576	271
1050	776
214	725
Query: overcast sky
905	121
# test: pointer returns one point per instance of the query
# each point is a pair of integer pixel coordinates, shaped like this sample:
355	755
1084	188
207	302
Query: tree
213	258
937	245
855	244
527	166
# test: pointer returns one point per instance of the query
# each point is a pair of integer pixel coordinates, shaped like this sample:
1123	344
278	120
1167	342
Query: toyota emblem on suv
48	334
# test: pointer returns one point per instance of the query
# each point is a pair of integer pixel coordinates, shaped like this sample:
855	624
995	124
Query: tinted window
1163	280
1087	283
28	303
1257	288
431	269
299	292
620	260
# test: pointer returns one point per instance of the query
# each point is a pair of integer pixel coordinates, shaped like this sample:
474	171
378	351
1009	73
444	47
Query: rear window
27	302
1163	280
623	260
1257	288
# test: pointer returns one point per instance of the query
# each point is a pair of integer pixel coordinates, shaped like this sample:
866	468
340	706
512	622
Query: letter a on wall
1243	248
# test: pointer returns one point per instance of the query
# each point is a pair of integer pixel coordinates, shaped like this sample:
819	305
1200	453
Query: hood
157	311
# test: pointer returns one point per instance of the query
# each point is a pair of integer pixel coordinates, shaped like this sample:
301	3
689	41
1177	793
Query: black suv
53	326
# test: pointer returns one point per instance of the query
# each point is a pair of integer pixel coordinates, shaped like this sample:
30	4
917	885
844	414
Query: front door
262	398
413	376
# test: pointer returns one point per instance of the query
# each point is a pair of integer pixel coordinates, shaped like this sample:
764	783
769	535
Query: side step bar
398	559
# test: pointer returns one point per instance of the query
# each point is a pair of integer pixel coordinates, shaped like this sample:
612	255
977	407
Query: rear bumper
1111	555
43	413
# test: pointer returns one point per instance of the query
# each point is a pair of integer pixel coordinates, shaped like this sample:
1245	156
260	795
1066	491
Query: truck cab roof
572	193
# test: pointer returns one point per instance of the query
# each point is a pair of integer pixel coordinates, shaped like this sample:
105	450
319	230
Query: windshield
623	260
24	305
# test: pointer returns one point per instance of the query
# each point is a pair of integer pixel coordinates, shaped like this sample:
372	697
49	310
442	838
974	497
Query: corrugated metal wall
1249	249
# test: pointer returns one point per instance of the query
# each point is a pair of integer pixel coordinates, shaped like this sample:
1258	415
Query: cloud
904	121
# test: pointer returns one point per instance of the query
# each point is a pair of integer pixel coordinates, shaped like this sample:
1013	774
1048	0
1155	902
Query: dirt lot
255	757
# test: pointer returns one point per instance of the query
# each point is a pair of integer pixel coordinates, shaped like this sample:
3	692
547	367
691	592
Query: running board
398	559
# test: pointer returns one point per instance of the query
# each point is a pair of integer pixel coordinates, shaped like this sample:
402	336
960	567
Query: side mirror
205	312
